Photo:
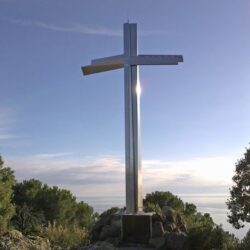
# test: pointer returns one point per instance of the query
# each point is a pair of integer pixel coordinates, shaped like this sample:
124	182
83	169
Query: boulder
109	231
98	226
107	228
181	224
175	241
158	217
170	214
115	241
157	243
168	230
157	229
116	221
14	234
169	227
173	221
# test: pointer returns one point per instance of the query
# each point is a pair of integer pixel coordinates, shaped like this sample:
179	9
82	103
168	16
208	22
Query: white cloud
104	175
211	174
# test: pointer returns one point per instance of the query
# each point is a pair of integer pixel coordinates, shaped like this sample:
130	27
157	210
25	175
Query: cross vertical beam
129	60
132	123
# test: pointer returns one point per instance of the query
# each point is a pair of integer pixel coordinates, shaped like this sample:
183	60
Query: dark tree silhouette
239	201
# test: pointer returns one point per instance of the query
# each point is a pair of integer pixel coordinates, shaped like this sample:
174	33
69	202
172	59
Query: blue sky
68	130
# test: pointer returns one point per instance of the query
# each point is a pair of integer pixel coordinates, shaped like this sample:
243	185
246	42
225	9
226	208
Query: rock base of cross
166	230
136	229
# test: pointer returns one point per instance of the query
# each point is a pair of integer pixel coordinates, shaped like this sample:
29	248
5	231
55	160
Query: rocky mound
15	240
168	230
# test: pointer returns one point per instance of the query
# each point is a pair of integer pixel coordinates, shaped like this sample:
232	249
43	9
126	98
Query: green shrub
27	220
163	199
38	204
152	207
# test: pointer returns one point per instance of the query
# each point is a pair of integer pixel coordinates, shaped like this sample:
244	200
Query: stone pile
169	231
108	228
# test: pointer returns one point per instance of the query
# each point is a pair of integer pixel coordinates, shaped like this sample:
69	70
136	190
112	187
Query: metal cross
130	61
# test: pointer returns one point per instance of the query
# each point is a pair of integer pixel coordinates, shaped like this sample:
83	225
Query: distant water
213	204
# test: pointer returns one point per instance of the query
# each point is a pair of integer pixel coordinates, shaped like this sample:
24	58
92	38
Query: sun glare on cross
138	88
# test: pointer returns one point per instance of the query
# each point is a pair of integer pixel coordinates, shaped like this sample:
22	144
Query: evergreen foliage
38	204
239	201
160	199
7	180
27	220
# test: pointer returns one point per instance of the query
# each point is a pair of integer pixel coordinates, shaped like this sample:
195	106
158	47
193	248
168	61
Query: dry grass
66	237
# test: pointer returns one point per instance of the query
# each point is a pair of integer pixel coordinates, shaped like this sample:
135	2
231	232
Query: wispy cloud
105	175
53	155
75	28
80	28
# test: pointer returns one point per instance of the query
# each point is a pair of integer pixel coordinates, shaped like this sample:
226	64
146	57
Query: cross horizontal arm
117	62
155	59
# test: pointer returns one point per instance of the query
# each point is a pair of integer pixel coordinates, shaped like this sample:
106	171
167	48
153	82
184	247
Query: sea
214	204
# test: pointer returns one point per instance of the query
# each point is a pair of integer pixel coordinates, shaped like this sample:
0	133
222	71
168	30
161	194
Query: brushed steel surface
155	60
132	124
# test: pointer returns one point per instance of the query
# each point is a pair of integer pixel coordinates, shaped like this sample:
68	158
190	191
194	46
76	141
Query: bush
111	210
38	204
151	207
161	199
27	220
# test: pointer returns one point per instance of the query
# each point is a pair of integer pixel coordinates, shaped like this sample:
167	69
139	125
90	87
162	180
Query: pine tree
239	201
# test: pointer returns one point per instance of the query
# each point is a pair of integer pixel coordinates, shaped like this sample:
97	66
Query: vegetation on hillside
37	205
203	233
37	209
